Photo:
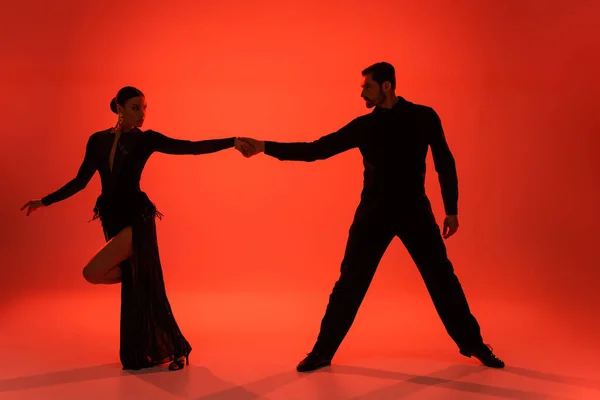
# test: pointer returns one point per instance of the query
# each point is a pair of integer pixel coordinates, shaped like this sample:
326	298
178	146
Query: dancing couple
393	138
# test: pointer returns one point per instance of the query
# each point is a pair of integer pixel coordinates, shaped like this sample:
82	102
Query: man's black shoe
313	361
484	353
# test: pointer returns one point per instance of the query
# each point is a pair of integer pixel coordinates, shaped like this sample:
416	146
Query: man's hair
381	72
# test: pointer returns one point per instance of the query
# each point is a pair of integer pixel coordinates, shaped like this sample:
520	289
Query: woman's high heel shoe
177	364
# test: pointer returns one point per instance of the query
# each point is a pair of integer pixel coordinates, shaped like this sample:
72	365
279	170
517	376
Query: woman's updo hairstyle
123	95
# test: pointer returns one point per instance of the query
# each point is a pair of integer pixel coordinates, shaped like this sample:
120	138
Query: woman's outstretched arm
84	175
164	144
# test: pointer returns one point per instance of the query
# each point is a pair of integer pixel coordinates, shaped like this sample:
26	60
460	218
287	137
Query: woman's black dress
149	332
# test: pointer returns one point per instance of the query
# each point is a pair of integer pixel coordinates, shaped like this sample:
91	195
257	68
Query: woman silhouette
149	334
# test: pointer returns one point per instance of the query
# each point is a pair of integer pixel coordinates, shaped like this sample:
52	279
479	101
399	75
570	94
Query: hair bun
113	105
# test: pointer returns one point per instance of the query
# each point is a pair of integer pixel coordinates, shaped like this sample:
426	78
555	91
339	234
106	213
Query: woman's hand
32	205
249	147
244	147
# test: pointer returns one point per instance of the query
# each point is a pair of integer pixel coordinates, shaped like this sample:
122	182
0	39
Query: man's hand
243	147
450	226
249	147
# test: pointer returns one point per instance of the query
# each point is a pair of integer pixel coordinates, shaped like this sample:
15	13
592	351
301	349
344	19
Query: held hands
32	205
450	226
249	147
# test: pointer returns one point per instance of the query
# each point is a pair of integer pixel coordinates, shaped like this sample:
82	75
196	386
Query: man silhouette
393	139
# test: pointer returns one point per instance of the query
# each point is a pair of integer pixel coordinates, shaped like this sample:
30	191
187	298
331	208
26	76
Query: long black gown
149	333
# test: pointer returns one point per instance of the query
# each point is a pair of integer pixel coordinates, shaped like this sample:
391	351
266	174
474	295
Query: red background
514	82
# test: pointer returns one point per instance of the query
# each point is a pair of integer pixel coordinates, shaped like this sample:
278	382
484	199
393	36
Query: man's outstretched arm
327	146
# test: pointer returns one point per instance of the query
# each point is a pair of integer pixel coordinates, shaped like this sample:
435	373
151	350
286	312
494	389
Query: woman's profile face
134	111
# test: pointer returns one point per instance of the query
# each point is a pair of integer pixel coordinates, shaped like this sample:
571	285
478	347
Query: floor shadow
585	383
446	378
409	384
254	390
200	383
550	377
190	382
61	377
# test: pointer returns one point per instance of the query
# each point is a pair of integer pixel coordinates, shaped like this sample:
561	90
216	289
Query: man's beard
373	103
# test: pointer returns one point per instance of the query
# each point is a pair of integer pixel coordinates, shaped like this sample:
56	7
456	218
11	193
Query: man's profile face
371	92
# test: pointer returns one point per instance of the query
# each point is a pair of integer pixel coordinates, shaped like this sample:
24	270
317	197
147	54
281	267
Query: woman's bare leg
104	268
